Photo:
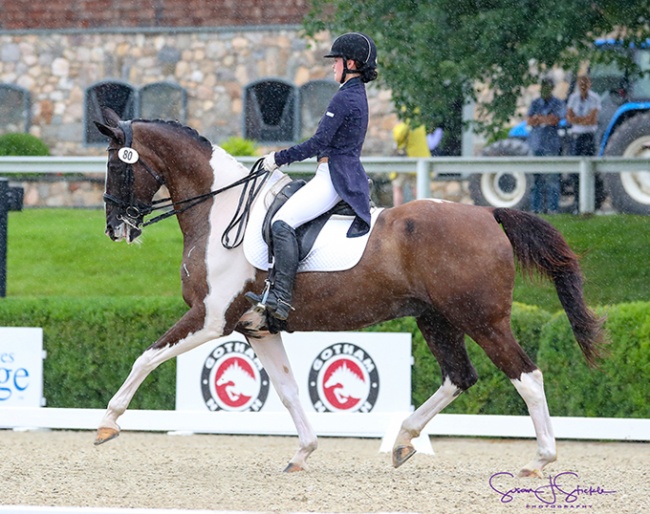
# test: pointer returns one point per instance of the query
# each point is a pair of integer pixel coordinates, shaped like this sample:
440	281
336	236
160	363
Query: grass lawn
64	252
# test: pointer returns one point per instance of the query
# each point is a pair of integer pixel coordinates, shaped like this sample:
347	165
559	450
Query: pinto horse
449	265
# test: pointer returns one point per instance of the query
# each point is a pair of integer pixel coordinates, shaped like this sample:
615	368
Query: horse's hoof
401	454
533	473
105	434
293	468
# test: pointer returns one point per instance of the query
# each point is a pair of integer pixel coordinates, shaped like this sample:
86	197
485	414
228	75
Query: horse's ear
110	117
112	132
110	126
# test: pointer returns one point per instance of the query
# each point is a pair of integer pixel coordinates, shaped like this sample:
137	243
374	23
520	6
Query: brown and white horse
449	265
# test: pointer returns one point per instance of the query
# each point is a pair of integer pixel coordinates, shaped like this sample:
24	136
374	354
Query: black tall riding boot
285	266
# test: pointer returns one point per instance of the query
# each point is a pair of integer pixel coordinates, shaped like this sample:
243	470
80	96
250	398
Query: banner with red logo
344	372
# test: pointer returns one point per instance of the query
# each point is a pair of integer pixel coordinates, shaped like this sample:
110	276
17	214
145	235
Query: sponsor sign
21	367
337	372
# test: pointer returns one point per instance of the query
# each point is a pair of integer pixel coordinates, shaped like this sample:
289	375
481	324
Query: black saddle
307	233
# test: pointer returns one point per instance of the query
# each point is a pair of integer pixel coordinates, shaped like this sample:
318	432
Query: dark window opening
164	101
117	96
270	112
14	109
315	96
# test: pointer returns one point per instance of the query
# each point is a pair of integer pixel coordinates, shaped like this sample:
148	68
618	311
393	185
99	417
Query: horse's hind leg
502	348
270	350
448	346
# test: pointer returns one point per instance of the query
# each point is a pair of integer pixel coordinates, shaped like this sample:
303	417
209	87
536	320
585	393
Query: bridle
135	211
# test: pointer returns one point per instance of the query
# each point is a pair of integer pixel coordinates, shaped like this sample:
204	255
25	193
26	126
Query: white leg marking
531	388
273	357
415	423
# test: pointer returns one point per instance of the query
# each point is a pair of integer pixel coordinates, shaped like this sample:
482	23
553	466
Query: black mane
189	131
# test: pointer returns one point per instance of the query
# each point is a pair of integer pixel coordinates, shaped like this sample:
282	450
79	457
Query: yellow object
411	140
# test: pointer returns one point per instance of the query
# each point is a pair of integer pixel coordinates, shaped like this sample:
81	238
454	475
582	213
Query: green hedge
620	387
493	393
19	143
91	344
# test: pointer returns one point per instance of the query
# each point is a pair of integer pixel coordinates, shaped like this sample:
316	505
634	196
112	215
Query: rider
340	176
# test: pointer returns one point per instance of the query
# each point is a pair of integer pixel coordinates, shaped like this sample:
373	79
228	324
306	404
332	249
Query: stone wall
213	66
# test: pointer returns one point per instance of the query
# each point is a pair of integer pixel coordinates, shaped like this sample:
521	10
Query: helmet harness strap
347	70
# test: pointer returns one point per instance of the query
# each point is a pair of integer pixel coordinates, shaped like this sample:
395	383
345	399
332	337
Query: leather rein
137	211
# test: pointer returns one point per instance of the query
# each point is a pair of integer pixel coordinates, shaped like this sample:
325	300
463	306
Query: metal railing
451	168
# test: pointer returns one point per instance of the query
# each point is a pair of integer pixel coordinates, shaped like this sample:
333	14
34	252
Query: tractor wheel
503	189
630	191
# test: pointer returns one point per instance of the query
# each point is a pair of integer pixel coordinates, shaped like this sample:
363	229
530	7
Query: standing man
544	116
583	108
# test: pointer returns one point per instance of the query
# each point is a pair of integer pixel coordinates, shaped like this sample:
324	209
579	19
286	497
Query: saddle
323	242
306	234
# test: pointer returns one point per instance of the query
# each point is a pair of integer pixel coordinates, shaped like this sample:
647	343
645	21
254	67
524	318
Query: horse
449	265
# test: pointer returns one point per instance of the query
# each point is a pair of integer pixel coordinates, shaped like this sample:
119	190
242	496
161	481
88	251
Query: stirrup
259	300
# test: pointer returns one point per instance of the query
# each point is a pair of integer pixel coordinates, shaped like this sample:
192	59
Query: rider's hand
269	163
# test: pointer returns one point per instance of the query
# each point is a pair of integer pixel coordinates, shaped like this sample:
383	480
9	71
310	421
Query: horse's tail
539	247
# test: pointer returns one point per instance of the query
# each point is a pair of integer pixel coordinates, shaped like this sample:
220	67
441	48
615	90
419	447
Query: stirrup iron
259	301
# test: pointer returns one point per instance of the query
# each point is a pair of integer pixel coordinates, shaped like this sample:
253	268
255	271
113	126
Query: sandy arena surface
216	472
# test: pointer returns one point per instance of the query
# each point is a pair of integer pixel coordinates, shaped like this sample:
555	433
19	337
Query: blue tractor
623	130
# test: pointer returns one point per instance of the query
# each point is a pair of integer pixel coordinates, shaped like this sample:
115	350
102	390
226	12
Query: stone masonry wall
213	65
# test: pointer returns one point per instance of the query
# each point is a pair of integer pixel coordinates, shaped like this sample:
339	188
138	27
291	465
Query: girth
307	233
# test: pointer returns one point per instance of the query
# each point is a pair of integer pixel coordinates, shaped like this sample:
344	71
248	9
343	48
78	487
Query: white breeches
311	200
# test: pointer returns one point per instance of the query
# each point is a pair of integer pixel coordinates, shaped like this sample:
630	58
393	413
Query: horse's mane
188	131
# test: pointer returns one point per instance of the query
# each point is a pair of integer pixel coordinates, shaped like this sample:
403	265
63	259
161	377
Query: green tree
432	54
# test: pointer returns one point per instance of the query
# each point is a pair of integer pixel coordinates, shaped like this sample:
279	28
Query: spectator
544	116
583	107
411	142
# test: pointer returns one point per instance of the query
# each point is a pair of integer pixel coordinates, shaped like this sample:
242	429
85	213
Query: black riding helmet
359	48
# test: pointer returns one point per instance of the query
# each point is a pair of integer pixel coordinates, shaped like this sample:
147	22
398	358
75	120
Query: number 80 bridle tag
128	155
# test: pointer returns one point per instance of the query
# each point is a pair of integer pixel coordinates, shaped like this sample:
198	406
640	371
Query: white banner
21	367
342	372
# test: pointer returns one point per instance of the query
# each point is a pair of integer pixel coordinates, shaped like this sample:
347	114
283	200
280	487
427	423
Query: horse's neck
224	170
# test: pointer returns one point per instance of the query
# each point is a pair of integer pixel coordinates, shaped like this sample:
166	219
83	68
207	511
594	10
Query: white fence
452	168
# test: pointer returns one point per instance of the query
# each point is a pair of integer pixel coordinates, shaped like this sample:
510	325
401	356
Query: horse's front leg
186	334
270	350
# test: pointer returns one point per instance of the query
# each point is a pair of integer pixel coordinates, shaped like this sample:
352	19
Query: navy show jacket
339	137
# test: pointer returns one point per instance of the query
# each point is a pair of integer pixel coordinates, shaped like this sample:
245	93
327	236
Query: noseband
135	211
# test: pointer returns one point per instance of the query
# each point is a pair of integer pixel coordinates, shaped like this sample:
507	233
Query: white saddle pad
332	250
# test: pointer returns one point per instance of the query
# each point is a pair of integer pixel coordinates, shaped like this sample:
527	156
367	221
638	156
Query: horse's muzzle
120	229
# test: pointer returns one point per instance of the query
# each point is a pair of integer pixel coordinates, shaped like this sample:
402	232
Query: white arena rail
450	168
372	425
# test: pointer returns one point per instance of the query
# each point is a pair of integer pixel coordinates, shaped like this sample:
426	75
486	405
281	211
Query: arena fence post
11	199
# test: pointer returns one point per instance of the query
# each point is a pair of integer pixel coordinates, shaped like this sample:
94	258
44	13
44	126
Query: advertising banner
21	367
339	372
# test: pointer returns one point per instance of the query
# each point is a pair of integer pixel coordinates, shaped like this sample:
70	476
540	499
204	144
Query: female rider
340	176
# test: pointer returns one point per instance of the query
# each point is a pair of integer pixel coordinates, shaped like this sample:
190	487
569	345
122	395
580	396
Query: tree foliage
433	54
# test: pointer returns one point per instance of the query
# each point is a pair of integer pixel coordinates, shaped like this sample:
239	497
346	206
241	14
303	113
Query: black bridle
136	211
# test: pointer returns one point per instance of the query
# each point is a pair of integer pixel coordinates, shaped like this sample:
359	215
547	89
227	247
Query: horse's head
130	182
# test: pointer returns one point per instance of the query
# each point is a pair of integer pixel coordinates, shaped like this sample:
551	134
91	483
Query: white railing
452	168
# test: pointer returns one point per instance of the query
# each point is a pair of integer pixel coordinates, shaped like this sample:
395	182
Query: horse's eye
116	167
